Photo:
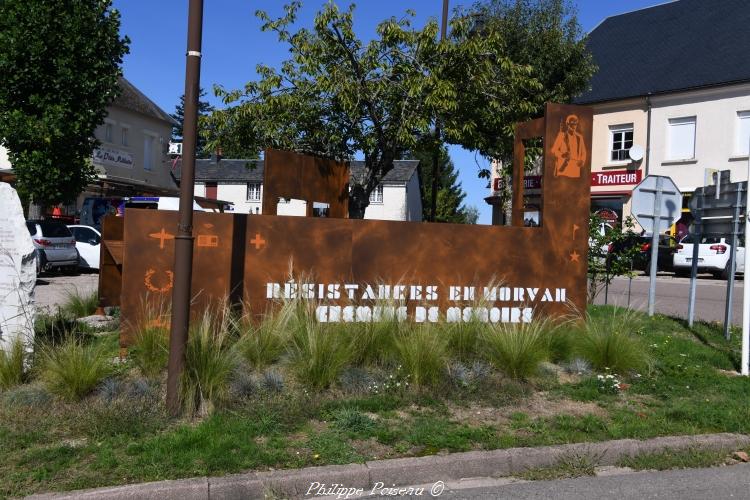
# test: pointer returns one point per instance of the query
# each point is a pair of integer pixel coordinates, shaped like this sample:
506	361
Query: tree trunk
358	202
36	210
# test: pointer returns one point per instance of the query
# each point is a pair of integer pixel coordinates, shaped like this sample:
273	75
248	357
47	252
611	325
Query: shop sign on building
113	157
616	178
529	182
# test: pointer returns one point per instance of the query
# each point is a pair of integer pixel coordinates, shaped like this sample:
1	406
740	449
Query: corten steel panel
237	256
308	178
566	192
110	261
149	259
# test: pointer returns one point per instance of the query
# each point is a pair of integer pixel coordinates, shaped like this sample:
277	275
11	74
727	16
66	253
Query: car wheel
682	273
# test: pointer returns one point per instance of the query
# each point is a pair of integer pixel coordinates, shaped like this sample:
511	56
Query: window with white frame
108	132
621	140
253	191
743	133
681	137
125	133
377	194
148	152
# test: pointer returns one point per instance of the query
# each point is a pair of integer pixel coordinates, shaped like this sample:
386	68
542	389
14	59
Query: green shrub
517	349
79	305
12	364
150	352
610	342
422	352
209	364
72	369
318	352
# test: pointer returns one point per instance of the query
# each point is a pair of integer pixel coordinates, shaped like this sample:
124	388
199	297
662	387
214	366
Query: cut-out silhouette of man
569	149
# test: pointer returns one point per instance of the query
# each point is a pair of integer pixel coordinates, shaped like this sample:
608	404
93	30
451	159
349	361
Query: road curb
400	471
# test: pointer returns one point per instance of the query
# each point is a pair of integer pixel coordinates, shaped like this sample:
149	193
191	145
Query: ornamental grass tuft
318	352
80	305
150	352
12	364
610	342
422	354
210	363
517	349
262	343
72	369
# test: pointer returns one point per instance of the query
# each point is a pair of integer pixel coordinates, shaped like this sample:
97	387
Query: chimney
217	156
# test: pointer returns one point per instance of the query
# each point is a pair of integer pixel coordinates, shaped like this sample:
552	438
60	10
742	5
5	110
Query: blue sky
233	44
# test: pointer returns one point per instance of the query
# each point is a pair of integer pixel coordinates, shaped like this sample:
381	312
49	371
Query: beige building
132	158
617	128
674	90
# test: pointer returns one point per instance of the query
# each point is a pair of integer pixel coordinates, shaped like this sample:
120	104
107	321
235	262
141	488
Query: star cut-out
575	256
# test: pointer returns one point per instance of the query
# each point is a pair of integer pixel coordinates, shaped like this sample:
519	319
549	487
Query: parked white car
713	256
88	241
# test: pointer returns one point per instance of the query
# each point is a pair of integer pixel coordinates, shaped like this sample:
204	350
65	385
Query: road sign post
732	263
718	210
656	204
694	265
745	363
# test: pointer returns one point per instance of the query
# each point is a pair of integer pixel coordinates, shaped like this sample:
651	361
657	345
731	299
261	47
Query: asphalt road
686	484
672	296
52	289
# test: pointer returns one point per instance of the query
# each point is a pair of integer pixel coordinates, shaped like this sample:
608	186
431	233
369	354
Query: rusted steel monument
436	271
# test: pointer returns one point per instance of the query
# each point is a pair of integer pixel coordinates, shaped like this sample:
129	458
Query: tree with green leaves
337	95
450	195
204	109
544	37
60	61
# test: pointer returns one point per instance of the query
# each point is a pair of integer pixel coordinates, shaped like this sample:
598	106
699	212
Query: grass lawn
120	434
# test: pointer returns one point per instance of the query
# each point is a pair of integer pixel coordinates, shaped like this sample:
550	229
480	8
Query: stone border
401	471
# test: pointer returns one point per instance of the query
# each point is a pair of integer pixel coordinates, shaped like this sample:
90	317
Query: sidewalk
357	480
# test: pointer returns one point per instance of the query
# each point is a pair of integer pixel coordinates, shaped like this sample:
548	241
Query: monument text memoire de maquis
17	272
358	270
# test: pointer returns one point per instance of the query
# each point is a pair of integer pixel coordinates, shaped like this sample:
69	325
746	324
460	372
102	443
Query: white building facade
398	197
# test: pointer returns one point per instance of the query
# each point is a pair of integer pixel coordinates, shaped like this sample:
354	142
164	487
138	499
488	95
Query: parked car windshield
54	230
690	239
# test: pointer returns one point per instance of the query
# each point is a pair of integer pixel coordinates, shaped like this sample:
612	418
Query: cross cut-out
258	241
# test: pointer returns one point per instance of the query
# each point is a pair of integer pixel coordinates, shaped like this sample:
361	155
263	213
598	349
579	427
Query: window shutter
682	138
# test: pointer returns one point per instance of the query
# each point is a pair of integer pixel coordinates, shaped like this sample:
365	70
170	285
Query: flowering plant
393	382
609	384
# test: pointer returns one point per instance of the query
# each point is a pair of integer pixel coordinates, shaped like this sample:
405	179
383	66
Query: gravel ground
52	289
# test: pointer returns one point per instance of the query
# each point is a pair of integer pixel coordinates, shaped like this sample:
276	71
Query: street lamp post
436	153
183	258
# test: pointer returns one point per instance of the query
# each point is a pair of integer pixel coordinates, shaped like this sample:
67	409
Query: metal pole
630	282
745	363
732	265
606	280
694	263
438	143
183	260
655	246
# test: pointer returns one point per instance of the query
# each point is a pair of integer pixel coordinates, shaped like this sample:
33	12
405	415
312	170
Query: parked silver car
55	246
